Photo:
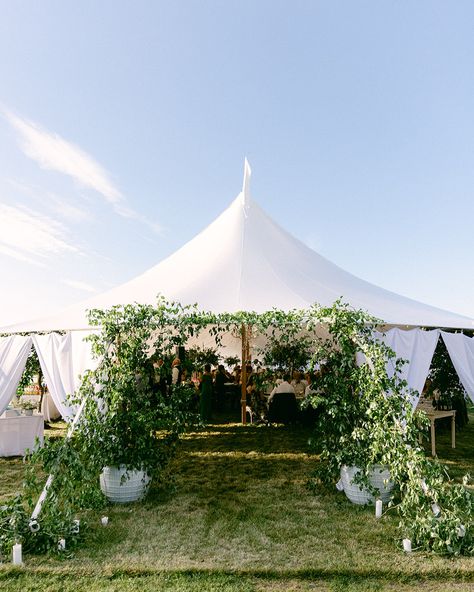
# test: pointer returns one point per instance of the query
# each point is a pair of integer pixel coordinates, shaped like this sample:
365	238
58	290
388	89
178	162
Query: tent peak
246	182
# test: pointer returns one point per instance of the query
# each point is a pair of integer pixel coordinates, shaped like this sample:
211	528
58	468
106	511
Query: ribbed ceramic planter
132	489
358	495
380	479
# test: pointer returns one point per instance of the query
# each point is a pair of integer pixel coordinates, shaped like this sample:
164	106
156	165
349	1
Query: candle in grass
407	545
104	520
378	508
17	558
461	531
61	544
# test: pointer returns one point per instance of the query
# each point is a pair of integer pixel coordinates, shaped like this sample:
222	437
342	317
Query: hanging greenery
197	357
365	418
288	353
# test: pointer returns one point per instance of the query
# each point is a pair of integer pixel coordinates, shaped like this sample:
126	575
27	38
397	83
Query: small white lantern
61	544
104	520
407	545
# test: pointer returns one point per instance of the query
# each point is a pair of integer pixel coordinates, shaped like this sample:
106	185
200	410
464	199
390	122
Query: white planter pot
133	488
379	478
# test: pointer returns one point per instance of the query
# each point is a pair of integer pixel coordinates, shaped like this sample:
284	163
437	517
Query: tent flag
14	351
461	351
246	182
417	347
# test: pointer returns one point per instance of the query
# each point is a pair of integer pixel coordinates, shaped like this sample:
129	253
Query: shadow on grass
13	580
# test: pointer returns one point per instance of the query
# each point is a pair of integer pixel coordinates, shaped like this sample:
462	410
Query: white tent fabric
245	261
63	358
461	351
417	347
14	351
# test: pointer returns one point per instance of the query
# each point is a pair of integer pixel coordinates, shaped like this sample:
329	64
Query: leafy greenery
197	357
32	368
366	416
231	361
367	419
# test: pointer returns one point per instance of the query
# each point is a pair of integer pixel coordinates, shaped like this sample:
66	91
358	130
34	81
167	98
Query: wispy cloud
80	286
67	210
60	205
32	237
14	254
52	152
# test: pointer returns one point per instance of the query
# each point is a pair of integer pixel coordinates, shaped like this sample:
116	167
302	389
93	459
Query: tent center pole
243	374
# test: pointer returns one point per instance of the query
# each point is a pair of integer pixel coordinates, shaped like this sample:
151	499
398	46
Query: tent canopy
245	261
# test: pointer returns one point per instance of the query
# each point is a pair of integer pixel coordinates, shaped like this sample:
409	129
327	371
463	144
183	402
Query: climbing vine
365	418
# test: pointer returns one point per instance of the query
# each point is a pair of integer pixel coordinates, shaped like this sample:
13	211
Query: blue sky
124	125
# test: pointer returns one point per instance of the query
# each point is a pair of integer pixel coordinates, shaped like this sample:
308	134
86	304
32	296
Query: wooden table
433	415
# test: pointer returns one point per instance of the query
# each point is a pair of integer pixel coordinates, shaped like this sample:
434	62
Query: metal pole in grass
33	523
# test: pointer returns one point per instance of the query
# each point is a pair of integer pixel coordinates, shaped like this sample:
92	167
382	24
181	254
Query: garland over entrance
365	419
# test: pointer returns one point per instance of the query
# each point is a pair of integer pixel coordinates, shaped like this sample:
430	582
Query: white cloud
131	214
80	286
54	153
63	206
67	210
32	237
19	256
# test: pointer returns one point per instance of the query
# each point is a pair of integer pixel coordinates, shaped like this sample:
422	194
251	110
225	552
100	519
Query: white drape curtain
417	347
461	351
63	358
14	352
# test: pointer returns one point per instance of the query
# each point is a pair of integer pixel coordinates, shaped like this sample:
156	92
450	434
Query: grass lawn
238	516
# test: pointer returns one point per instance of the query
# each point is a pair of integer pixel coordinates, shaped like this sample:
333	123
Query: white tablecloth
19	433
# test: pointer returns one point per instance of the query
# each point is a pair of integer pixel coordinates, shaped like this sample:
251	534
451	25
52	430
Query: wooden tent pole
243	375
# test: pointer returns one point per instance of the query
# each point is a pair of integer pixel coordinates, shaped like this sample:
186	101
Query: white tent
245	261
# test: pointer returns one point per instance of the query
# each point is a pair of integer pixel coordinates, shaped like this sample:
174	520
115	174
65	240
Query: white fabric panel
82	358
17	434
14	352
63	358
461	351
245	261
417	347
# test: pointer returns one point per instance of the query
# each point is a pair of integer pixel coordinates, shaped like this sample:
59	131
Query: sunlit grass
238	515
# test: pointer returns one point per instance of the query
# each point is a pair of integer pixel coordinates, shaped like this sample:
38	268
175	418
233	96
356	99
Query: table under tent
243	261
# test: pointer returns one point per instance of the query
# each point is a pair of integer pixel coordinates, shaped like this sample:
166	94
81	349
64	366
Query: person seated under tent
282	405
